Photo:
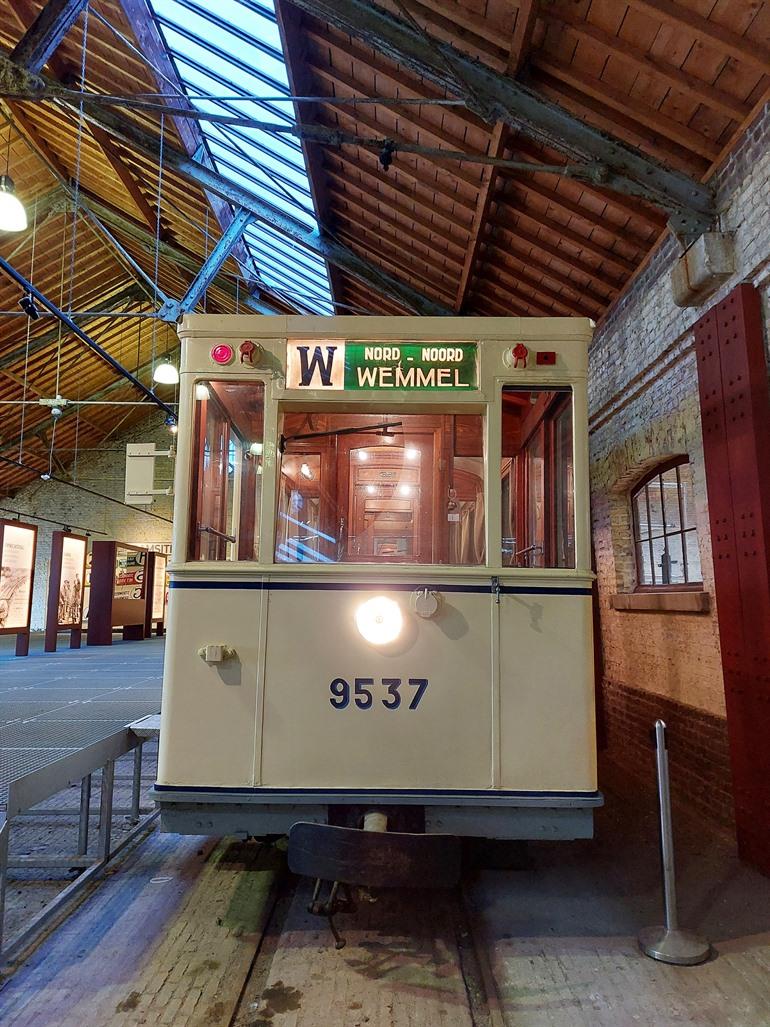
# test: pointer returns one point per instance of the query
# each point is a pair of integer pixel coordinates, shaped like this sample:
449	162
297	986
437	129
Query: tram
380	589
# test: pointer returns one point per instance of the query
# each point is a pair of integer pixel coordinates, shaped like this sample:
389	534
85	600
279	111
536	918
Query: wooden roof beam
497	97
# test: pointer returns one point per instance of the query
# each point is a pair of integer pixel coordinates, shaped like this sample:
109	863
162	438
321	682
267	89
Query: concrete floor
172	937
54	703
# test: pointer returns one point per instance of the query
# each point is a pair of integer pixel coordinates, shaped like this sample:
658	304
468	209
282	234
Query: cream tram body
480	713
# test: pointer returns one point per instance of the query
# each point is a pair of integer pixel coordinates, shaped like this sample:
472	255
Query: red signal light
222	353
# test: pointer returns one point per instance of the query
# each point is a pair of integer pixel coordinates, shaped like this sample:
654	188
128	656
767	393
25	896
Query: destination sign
361	366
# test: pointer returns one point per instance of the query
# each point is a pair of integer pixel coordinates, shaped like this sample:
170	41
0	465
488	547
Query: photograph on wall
129	574
71	582
17	562
159	588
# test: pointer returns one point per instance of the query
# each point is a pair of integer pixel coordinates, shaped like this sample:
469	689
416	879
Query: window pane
694	572
688	500
400	488
655	504
671	499
227	469
641	526
659	563
674	560
537	476
643	563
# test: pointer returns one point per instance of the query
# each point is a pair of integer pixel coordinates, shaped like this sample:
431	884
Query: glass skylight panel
226	52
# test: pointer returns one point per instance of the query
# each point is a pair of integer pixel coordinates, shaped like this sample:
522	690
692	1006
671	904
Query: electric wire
43	476
47	520
29	335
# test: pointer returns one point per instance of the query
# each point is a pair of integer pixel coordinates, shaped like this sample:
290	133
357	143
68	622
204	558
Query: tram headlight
379	620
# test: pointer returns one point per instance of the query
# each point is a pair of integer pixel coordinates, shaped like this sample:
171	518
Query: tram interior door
364	488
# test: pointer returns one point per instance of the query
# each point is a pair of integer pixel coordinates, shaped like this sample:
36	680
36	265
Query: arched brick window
665	536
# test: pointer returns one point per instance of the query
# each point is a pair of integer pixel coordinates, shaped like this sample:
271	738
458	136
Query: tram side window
381	488
226	470
537	478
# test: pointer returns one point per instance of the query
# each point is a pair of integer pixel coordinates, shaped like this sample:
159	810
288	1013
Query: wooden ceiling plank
542	246
725	40
392	231
407	84
369	161
337	197
355	194
650	117
381	130
377	253
507	273
622	203
541	220
382	186
622	124
558	199
651	65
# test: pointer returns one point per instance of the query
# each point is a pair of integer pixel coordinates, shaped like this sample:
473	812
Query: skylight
236	52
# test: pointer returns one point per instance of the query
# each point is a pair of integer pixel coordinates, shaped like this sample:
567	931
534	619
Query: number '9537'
365	693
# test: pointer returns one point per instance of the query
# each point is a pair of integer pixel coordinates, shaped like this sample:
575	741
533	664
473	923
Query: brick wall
102	470
643	394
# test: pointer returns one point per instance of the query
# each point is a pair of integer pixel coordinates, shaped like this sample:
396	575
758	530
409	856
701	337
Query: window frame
657	472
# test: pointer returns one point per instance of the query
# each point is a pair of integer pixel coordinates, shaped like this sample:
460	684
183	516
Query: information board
159	588
71	582
129	574
17	565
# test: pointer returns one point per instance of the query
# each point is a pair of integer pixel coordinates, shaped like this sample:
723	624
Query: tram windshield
537	478
381	488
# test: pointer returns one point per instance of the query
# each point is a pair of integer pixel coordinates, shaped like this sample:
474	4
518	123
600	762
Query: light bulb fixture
201	391
165	374
371	490
405	490
256	449
363	455
379	620
173	428
13	216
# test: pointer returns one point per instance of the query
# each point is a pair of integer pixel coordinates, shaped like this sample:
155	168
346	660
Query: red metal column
735	413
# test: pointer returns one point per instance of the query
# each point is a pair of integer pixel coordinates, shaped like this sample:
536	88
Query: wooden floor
175	937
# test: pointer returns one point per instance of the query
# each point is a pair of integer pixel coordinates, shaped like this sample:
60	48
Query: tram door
390	500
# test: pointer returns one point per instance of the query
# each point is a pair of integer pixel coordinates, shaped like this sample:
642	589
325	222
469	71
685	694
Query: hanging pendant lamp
165	373
13	216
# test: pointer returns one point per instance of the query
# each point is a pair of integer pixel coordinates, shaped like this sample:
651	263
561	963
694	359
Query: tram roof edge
378	326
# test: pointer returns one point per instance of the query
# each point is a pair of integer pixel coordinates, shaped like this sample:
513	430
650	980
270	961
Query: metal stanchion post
669	943
136	786
85	810
105	810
